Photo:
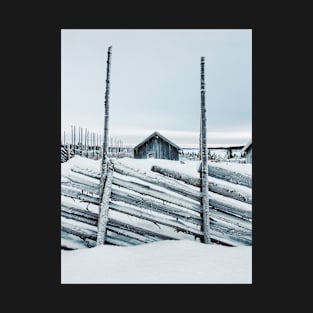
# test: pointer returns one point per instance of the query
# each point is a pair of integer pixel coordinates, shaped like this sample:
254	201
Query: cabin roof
247	146
156	133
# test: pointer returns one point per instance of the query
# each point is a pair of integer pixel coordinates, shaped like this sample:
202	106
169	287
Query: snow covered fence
216	172
169	208
94	152
69	151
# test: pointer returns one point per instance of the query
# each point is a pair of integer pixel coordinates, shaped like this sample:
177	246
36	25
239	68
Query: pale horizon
155	84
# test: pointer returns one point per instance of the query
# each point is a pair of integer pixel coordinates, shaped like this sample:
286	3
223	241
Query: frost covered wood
204	162
178	225
230	176
78	194
230	220
226	191
221	233
149	203
106	127
104	206
76	213
146	190
194	181
159	181
171	182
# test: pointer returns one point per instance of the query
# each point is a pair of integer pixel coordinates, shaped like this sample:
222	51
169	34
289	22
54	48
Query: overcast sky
155	83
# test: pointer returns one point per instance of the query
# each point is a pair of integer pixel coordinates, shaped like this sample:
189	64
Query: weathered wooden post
81	141
204	162
87	148
74	140
78	144
106	171
86	141
72	136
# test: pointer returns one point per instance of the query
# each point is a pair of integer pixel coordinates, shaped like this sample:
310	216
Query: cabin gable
158	147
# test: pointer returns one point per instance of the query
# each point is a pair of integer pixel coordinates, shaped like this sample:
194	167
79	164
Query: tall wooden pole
74	140
93	145
81	141
72	136
86	140
87	148
105	178
204	162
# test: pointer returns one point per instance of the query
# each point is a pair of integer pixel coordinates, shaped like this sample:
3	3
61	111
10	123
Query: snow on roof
156	133
247	146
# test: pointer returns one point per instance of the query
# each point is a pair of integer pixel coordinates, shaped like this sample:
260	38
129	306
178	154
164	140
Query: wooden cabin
247	152
156	146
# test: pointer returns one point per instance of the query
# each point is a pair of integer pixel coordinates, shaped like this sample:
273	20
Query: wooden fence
165	198
94	152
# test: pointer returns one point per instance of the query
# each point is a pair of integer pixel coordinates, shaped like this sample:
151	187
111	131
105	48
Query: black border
38	80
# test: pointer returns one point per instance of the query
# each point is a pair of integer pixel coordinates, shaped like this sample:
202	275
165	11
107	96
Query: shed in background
156	146
247	152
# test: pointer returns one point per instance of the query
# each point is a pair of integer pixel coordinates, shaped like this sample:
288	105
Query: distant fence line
89	144
93	152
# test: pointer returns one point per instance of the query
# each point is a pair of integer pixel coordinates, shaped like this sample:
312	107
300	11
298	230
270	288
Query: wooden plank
226	191
78	178
230	176
75	209
234	207
218	233
231	219
161	195
172	184
224	228
178	225
229	239
143	239
78	231
86	171
92	235
236	234
229	192
130	234
161	181
77	194
220	204
230	208
85	188
78	218
150	204
194	181
92	217
76	213
155	234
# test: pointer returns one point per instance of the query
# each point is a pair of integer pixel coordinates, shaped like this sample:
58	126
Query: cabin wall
249	156
156	148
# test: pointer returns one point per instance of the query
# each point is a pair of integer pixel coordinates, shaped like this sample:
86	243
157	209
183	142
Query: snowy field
168	261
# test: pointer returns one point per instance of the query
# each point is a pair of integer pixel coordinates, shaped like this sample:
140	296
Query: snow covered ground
168	261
